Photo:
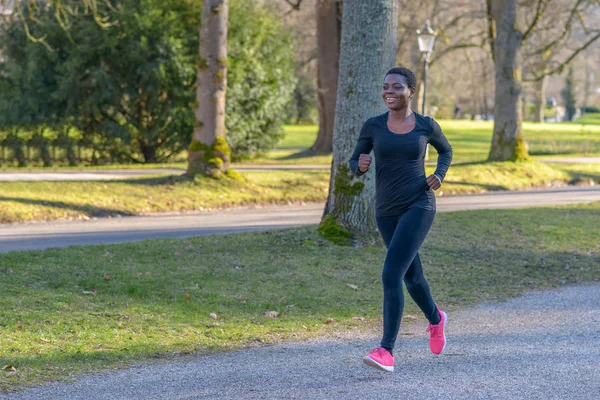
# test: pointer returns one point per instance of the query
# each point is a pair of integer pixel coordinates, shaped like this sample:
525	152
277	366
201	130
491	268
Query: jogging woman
405	206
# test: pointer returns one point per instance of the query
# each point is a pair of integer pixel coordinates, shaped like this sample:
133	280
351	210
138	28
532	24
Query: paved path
130	229
544	345
101	175
570	160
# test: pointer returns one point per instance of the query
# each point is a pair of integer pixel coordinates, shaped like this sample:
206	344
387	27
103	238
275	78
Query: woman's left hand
434	182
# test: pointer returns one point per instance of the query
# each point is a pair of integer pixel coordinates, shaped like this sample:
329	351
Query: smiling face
396	93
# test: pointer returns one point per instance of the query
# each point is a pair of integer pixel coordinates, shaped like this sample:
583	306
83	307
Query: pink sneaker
437	338
381	359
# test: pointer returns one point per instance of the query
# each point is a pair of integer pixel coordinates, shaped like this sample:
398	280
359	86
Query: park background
115	88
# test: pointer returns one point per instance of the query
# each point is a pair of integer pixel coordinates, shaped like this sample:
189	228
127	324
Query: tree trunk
208	153
148	151
540	99
508	142
329	27
368	50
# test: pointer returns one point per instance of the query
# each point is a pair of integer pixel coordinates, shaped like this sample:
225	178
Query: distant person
405	206
456	111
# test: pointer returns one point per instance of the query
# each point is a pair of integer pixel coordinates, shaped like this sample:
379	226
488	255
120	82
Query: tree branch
560	67
295	5
565	30
455	47
539	12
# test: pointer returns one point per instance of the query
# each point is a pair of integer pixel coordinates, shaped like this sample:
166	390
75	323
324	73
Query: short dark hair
411	79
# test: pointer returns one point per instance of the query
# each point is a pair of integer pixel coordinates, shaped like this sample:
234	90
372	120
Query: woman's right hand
364	161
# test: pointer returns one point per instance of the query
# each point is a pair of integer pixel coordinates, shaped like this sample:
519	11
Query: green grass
27	201
484	177
298	136
32	201
471	140
179	165
588	119
52	327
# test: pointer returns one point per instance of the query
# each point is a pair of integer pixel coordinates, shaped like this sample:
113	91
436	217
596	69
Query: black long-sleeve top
400	177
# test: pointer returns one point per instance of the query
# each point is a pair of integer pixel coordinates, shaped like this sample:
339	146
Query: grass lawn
588	119
470	141
28	201
83	309
31	201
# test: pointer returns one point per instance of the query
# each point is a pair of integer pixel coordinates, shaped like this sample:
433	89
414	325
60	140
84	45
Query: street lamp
426	38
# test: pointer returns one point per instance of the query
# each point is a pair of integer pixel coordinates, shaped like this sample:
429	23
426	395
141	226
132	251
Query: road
32	236
544	345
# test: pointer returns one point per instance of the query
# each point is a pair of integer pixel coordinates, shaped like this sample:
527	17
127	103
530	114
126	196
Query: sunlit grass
31	201
27	201
471	140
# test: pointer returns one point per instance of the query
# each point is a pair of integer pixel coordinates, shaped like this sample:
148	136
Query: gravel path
545	345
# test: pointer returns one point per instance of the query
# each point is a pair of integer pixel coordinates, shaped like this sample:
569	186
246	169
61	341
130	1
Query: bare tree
507	38
563	32
209	152
368	49
460	26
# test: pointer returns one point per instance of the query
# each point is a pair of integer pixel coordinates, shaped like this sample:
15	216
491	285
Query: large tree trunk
368	50
540	99
508	142
329	32
209	153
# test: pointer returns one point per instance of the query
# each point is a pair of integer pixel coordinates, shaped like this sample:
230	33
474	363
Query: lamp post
426	38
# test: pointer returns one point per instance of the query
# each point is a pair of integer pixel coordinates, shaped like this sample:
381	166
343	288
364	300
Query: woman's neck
400	114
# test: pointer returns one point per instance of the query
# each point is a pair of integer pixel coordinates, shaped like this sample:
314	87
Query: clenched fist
434	182
364	161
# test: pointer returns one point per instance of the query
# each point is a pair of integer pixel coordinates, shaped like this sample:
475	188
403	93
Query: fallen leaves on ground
271	314
12	370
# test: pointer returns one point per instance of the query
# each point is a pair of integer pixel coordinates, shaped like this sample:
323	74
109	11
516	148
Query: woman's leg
410	232
418	288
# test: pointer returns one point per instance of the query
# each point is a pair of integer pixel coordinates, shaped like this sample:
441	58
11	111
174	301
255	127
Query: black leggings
403	235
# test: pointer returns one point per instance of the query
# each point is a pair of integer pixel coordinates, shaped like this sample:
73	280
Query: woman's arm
440	143
364	145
